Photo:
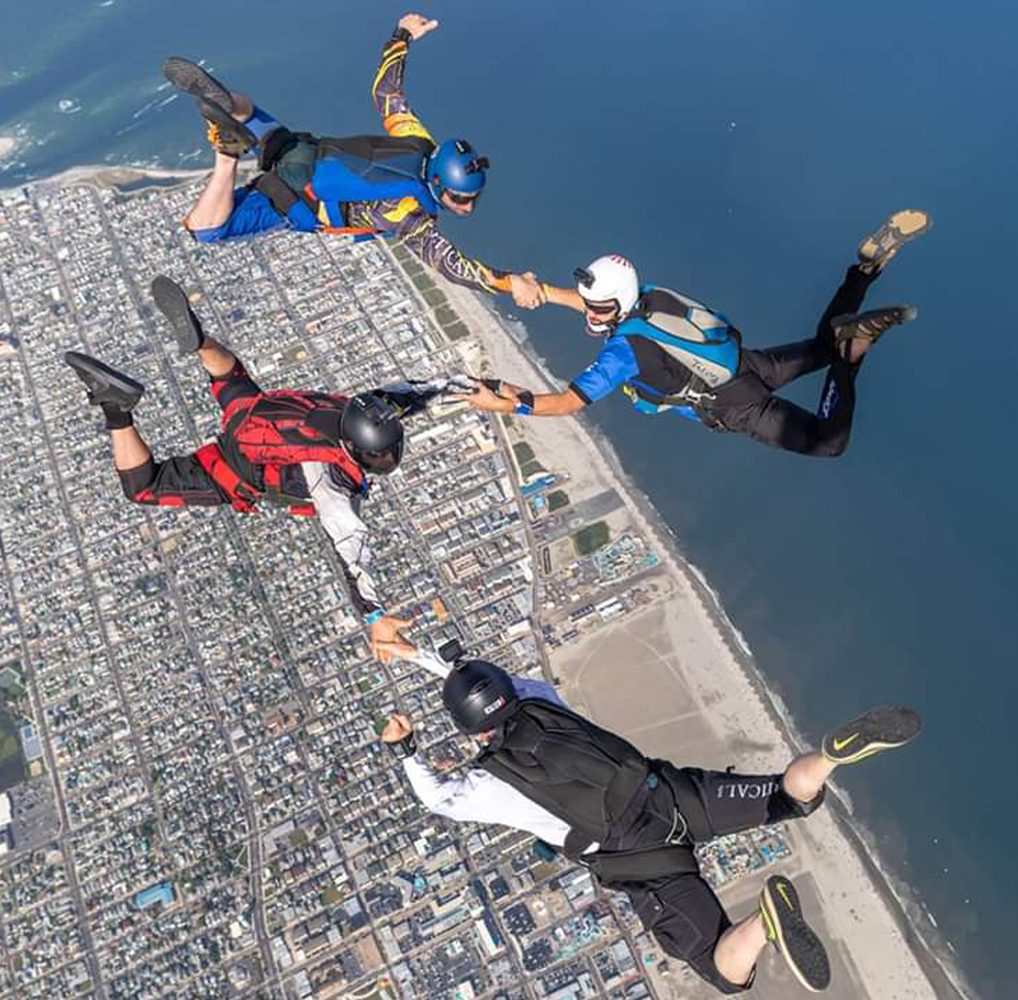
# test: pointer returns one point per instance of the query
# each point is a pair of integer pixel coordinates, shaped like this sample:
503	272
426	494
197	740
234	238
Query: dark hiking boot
226	134
192	79
882	728
106	386
171	301
878	248
871	325
794	938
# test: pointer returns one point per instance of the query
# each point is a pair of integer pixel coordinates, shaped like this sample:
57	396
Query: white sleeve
339	515
452	796
432	662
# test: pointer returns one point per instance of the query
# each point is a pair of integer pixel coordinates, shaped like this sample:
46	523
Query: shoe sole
102	380
906	314
883	728
171	301
800	947
189	77
902	227
226	123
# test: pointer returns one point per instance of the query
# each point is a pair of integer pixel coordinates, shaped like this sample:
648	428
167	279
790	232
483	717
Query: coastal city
194	801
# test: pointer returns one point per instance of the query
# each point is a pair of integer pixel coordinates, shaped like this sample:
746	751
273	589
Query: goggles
379	463
600	308
461	199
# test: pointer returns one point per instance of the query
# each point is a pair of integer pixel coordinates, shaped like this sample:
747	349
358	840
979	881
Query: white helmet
609	279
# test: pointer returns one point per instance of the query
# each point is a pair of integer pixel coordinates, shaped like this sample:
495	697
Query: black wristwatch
401	35
404	748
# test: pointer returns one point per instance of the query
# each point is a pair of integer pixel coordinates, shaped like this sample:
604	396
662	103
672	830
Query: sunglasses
600	309
461	199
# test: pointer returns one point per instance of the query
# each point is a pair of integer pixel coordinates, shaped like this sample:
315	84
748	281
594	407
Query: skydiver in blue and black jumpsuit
392	185
668	352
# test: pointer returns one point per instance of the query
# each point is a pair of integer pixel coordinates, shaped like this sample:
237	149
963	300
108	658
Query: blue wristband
523	410
370	619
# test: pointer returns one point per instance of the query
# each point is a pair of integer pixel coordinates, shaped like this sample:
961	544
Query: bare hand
527	291
417	25
510	390
386	629
397	728
484	399
400	649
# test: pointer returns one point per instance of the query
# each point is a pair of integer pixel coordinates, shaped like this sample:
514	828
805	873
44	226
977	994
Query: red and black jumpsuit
265	452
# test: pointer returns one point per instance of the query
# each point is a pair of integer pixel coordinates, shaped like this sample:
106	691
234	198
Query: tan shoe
877	249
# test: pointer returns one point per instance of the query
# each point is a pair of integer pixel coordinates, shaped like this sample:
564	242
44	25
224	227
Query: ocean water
737	150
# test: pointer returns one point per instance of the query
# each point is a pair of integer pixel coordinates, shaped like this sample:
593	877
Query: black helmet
479	696
372	433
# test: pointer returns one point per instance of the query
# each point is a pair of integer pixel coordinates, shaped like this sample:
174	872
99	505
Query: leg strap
243	496
640	865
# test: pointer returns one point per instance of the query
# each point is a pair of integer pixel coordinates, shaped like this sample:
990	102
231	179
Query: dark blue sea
737	150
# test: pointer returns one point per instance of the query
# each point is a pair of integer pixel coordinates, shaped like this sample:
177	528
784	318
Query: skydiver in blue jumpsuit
412	180
667	351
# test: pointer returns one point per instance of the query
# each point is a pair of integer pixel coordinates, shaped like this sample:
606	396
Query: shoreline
94	174
897	902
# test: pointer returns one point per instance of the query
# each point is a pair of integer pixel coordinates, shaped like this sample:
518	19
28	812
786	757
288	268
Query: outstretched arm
568	297
510	398
401	649
409	397
387	90
420	235
467	797
614	365
349	534
341	520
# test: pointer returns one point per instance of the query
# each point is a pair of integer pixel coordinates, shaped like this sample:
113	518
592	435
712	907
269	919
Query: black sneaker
882	728
226	134
171	301
105	384
872	324
192	79
794	938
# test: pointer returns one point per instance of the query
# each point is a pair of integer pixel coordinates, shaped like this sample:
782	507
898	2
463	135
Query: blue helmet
455	167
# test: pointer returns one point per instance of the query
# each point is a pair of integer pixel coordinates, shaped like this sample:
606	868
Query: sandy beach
710	707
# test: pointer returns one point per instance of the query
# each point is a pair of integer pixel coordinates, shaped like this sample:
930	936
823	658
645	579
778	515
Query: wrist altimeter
403	748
